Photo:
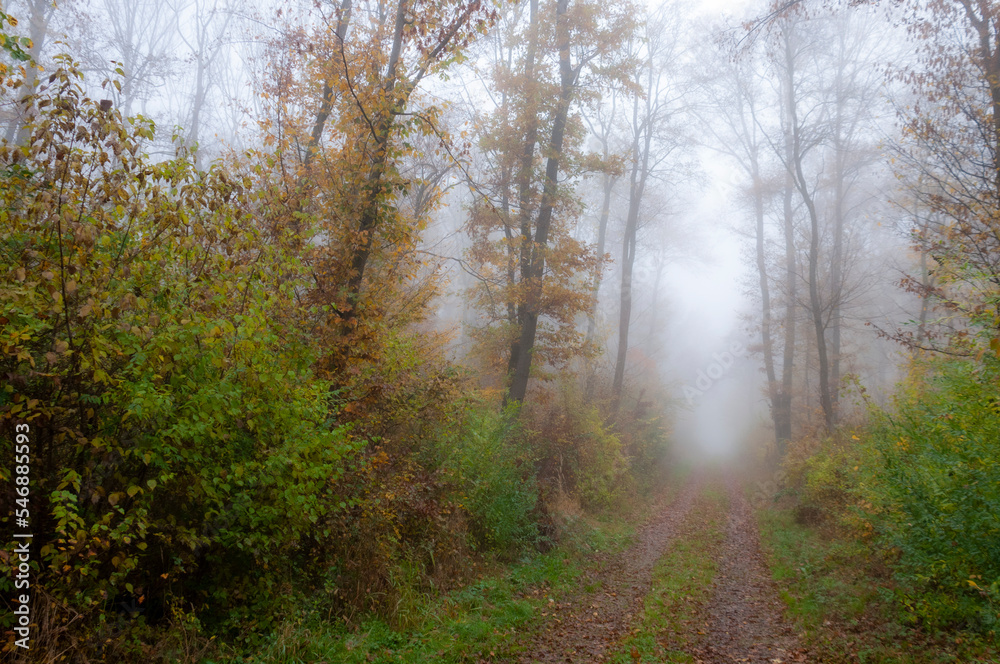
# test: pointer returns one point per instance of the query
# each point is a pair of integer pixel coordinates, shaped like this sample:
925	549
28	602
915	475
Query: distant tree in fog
139	37
654	137
39	16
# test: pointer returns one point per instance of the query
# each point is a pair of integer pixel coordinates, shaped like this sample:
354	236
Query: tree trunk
767	343
374	186
815	302
926	284
536	267
524	179
326	103
836	290
41	11
641	145
602	238
841	144
200	93
783	414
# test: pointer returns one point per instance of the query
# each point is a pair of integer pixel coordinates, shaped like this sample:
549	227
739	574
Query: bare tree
133	40
602	121
734	113
653	141
203	27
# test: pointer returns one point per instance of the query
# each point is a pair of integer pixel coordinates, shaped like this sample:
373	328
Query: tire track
585	628
745	615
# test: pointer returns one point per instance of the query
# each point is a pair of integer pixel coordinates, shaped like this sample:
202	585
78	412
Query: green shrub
601	467
930	485
182	450
489	463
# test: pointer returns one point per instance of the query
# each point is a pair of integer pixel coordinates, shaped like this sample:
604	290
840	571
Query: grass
841	600
681	587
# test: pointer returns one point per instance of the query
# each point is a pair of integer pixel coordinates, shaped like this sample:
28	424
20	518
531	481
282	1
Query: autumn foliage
235	408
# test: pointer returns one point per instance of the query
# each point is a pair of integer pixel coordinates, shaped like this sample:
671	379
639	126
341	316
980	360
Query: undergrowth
841	595
486	620
888	540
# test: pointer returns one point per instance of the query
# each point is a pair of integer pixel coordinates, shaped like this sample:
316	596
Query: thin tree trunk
836	292
767	343
326	103
41	11
625	309
524	179
199	101
641	145
374	187
816	311
840	146
815	302
925	290
783	415
602	238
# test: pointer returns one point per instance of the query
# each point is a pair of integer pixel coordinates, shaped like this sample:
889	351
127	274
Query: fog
467	330
706	147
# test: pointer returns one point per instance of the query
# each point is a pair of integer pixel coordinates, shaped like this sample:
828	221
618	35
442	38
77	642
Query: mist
331	316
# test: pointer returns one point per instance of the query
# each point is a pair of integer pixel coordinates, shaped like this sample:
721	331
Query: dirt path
742	622
585	628
745	622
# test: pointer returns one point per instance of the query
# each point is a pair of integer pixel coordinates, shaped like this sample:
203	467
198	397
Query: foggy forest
348	331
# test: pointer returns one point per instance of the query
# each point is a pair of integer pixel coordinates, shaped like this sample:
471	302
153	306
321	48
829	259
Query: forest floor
706	579
693	587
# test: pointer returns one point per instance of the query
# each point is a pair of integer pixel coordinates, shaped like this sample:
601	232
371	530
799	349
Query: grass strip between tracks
673	615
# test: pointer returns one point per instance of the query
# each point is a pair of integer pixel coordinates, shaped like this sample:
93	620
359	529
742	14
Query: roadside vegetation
216	452
886	539
370	375
490	619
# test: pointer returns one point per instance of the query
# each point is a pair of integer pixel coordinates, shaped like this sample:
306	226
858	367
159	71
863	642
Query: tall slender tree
654	138
544	79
